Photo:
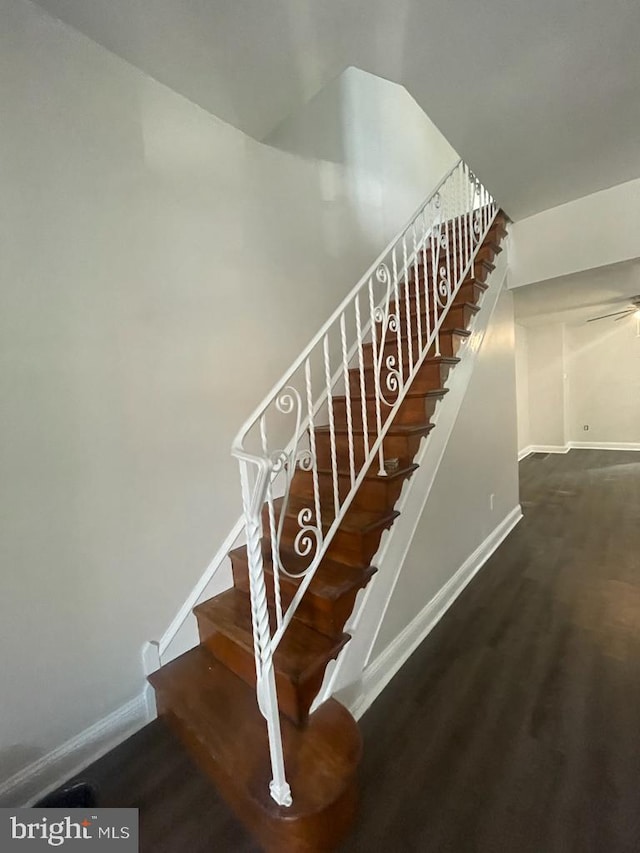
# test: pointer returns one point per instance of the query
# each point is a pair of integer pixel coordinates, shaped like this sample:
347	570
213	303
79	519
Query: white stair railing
352	376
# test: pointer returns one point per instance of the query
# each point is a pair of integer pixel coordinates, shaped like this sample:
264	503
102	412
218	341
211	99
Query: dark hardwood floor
514	727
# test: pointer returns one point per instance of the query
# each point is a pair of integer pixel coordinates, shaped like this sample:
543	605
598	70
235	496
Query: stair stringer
346	673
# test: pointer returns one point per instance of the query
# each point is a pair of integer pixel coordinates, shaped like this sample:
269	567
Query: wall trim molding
53	769
577	445
604	445
543	448
379	673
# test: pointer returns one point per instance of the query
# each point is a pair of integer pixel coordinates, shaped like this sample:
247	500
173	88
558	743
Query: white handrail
364	359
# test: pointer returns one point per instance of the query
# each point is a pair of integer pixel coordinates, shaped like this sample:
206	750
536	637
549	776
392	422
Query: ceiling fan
633	308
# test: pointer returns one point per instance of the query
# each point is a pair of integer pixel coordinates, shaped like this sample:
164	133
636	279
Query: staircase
351	415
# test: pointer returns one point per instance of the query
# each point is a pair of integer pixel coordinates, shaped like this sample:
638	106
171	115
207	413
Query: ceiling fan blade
626	314
616	314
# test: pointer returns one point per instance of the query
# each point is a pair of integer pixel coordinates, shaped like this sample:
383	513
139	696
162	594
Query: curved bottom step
216	717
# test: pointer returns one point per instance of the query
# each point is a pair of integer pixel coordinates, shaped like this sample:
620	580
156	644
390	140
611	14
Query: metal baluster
407	302
460	202
265	675
363	396
449	271
312	445
435	265
275	551
416	285
376	377
396	292
347	397
425	284
332	426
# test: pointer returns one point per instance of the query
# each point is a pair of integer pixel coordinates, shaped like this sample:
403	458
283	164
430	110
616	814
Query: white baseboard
379	673
53	769
543	448
577	445
604	445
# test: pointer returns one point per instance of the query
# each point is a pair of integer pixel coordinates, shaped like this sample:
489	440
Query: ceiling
574	299
541	98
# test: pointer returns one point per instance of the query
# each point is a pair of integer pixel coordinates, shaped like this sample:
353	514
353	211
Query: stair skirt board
379	673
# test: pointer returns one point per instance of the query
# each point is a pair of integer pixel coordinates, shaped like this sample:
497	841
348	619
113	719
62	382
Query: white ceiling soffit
541	98
576	298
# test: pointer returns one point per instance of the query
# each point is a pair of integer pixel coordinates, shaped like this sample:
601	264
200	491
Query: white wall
522	386
577	375
593	231
546	385
376	130
160	270
480	460
603	368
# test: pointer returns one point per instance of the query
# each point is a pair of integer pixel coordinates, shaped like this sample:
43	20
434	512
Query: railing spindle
312	445
275	556
347	397
376	377
332	426
363	388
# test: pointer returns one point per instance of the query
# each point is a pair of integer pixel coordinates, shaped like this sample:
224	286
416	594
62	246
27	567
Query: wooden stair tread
221	713
301	651
394	429
371	474
432	392
356	520
331	580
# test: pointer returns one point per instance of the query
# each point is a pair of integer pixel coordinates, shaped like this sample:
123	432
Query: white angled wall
479	461
160	271
590	232
390	149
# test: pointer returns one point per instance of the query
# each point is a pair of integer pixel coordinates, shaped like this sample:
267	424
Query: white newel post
263	651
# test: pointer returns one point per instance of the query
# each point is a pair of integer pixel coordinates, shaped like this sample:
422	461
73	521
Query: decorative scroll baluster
435	271
396	295
312	444
376	377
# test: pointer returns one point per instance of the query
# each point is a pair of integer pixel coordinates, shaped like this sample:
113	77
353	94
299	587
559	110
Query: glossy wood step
330	597
401	441
376	493
470	291
356	540
433	373
417	407
215	715
224	623
457	315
